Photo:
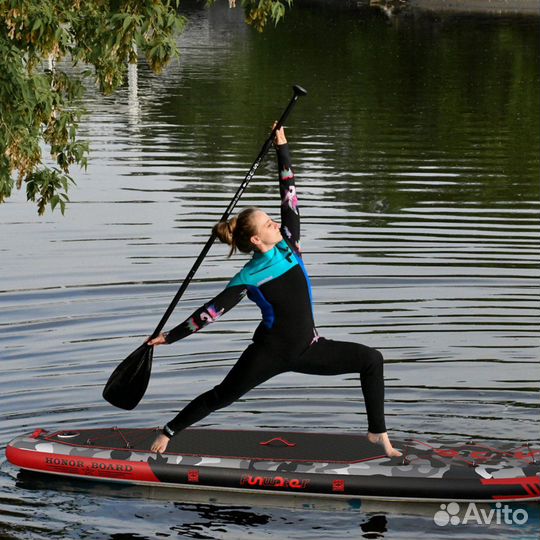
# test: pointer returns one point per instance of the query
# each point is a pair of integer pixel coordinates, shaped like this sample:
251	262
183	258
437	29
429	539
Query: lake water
417	161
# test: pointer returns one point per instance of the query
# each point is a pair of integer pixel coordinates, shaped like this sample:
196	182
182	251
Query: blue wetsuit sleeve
208	313
290	214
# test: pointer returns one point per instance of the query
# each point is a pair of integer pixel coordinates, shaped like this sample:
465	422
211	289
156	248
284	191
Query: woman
286	339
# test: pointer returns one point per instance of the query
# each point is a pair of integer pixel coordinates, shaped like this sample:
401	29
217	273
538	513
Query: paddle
128	382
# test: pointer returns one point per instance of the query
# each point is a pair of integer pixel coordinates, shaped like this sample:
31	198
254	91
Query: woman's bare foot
384	441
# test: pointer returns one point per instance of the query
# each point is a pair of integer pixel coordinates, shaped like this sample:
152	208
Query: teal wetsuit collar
281	245
266	266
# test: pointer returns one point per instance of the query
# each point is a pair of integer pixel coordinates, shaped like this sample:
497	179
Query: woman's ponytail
237	231
224	231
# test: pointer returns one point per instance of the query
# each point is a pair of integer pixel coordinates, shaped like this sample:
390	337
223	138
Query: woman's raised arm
290	214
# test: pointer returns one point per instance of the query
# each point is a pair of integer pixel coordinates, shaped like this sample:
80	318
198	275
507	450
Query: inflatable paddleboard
313	464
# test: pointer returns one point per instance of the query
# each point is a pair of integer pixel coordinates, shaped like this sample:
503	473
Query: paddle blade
128	382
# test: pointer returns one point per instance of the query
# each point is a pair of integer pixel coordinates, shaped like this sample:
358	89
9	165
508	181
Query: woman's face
267	231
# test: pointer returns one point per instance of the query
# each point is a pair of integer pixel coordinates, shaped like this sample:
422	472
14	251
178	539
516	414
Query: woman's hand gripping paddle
128	382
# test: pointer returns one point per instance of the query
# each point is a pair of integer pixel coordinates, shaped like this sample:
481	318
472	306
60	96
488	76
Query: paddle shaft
298	92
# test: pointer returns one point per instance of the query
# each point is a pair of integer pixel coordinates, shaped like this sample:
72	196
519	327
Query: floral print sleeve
208	313
290	214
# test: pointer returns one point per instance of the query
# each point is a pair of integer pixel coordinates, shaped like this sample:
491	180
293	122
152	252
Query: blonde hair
237	231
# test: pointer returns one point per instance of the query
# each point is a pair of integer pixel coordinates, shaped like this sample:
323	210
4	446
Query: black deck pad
263	445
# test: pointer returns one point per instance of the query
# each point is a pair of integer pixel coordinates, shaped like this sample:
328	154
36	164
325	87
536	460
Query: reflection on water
417	160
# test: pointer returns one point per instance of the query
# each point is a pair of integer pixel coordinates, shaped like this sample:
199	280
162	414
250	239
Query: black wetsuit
286	339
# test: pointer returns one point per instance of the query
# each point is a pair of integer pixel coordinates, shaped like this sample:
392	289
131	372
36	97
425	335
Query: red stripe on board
530	484
529	480
112	469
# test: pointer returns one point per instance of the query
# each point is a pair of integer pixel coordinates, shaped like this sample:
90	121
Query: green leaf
37	24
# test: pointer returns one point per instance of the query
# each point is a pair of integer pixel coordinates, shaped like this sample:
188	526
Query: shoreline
472	7
494	7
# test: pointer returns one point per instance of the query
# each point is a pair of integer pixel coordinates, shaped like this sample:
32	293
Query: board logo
338	485
84	465
273	482
453	514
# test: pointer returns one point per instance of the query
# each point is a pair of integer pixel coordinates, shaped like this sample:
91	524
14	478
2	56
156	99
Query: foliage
259	12
42	105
